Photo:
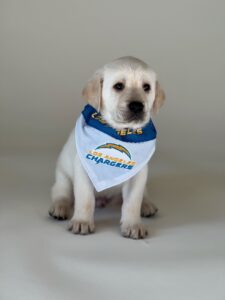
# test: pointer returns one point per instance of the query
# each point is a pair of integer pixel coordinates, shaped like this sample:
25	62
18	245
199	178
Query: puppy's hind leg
62	206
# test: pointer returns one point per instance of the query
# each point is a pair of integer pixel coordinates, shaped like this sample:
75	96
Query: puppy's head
125	91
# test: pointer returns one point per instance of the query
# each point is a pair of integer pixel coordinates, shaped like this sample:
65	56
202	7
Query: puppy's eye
146	87
119	86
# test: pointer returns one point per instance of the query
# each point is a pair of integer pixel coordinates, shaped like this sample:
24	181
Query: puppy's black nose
136	107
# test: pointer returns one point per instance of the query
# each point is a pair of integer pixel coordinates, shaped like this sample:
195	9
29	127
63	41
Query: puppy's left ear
159	98
92	92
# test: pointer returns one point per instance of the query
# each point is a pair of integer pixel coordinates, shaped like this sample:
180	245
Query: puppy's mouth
134	113
130	116
133	117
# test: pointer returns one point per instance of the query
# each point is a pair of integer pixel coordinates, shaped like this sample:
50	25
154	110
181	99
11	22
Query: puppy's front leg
82	221
133	192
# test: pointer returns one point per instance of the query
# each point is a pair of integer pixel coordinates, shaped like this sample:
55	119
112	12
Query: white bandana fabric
111	157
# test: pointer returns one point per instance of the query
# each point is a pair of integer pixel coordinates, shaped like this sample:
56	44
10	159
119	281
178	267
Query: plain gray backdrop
49	49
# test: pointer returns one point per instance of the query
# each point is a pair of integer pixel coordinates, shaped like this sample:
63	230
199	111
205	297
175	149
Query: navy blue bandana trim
94	119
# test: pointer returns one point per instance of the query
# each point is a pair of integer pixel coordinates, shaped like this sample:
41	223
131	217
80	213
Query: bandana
111	156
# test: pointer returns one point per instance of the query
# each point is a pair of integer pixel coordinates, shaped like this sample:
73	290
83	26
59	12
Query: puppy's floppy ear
92	92
159	98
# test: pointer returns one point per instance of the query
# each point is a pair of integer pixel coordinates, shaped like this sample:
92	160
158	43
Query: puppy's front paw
148	209
134	231
81	227
61	210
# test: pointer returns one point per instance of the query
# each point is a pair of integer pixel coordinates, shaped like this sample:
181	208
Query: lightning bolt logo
116	147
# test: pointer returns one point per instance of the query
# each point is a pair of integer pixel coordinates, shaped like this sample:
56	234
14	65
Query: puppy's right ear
92	92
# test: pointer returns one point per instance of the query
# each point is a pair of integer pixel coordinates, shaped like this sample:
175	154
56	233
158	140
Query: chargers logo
116	147
101	156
